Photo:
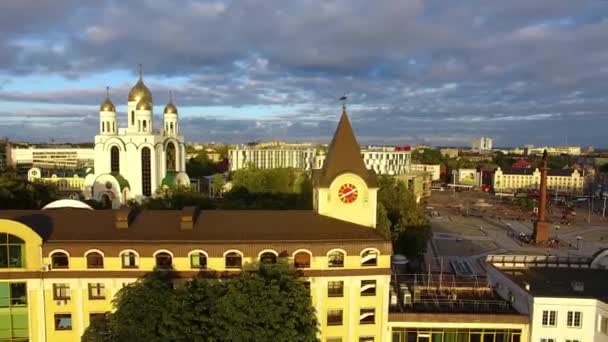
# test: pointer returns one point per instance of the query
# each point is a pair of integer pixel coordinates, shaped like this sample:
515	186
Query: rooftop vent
121	218
578	286
188	217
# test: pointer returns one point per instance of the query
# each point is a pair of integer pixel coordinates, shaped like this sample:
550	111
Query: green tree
217	185
19	193
397	208
383	224
266	302
200	166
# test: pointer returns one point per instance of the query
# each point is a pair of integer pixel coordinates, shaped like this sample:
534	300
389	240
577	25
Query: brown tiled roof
68	224
344	155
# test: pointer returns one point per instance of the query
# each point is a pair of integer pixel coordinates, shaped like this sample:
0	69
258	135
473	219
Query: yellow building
61	267
565	180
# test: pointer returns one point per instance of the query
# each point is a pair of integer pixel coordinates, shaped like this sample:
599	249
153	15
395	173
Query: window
549	318
94	260
369	258
368	287
60	260
268	258
115	160
96	317
567	340
301	260
233	260
198	260
367	316
334	317
12	251
547	340
366	339
333	339
163	260
97	291
132	118
61	291
170	157
146	178
63	321
604	325
336	259
129	260
13	311
574	319
144	124
335	288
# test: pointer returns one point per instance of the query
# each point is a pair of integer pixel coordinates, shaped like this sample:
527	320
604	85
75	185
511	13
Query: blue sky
416	71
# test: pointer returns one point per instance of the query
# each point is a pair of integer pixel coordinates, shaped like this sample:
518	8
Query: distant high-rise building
482	144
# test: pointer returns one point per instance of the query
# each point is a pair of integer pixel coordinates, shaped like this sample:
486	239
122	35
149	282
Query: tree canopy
19	193
267	302
401	218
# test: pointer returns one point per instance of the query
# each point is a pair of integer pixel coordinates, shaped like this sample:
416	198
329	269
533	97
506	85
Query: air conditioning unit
45	267
393	297
407	298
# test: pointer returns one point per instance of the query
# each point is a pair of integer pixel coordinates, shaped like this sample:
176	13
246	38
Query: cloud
414	70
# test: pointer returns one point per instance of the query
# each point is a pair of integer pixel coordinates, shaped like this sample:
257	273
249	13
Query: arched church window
132	118
144	124
103	127
146	177
170	157
171	127
114	159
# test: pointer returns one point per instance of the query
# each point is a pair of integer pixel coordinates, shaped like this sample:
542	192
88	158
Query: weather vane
343	99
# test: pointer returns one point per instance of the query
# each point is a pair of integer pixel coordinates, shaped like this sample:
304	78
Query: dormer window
60	260
369	258
12	251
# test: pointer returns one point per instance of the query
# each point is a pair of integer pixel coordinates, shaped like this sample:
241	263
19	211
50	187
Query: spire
344	155
140	71
107	92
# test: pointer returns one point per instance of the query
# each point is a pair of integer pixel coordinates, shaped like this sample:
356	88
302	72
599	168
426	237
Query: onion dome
107	105
144	104
140	91
170	107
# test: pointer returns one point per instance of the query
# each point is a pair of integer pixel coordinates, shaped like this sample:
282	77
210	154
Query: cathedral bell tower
344	188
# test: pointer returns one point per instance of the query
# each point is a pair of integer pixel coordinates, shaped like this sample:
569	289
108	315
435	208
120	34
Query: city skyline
415	71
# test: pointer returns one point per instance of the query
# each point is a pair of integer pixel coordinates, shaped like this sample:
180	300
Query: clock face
348	193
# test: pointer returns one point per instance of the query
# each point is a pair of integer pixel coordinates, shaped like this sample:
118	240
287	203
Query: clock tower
344	188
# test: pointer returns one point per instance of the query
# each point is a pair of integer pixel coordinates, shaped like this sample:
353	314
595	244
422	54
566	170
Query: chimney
121	218
187	218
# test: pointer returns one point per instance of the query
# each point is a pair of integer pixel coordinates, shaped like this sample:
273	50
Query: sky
415	71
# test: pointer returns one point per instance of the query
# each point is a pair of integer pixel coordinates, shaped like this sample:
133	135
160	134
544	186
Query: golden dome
139	90
107	105
170	107
144	104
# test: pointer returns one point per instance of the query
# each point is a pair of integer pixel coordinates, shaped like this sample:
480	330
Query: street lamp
578	242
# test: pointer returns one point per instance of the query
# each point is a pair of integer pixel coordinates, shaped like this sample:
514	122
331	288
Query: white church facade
132	162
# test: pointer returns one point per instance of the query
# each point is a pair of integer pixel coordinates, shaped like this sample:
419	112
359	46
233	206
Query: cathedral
131	163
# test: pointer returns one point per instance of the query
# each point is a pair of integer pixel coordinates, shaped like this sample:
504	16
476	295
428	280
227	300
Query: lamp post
556	232
578	242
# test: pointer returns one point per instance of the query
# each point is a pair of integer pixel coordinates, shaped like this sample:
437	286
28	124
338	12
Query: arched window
171	127
198	260
369	257
60	260
170	159
115	159
12	251
145	124
233	260
94	260
335	259
128	259
103	127
146	177
163	260
268	258
301	259
132	118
